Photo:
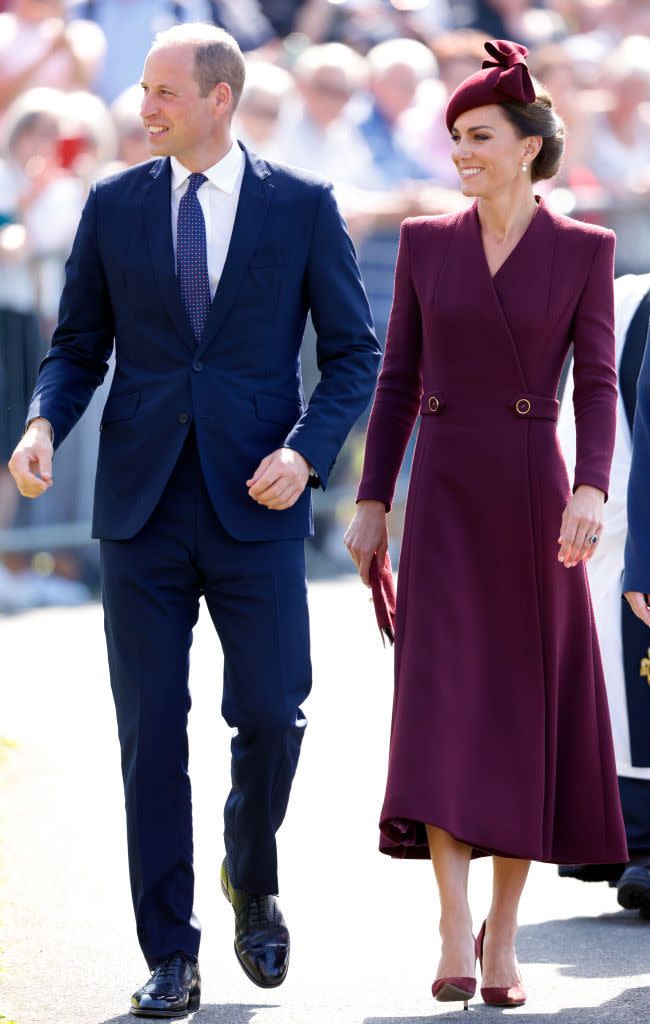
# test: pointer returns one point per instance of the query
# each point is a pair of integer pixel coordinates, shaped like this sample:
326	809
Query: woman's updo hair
539	118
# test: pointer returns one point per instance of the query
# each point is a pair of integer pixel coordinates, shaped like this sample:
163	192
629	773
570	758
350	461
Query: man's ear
222	97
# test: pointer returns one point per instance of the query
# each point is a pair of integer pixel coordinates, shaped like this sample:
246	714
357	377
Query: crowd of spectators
352	89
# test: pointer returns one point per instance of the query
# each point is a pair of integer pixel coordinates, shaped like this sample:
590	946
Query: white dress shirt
218	196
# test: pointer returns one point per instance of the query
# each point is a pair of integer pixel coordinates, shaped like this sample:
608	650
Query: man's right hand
31	463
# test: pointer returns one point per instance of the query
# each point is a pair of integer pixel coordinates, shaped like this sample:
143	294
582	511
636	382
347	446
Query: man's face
259	114
395	90
177	119
325	92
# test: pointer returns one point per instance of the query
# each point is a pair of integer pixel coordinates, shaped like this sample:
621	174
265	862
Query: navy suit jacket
290	253
637	546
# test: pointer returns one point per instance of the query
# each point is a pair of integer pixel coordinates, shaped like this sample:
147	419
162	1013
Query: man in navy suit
200	268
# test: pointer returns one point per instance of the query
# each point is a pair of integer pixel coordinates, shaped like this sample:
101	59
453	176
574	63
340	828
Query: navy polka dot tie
192	257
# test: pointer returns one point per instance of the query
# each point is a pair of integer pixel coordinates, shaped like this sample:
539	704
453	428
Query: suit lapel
254	199
158	226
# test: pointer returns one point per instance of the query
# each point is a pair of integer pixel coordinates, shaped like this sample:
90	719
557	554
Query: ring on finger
592	538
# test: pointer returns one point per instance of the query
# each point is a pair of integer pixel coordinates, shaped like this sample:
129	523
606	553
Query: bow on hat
503	79
514	81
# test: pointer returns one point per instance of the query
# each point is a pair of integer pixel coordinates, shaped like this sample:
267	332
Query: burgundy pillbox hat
504	79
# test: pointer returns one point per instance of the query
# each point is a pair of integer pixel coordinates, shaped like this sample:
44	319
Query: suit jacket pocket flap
277	409
121	407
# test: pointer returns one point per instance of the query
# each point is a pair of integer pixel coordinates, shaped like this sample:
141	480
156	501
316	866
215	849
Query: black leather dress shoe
173	990
592	872
634	888
261	935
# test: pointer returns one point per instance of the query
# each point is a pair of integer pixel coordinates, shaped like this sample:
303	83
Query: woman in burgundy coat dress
501	740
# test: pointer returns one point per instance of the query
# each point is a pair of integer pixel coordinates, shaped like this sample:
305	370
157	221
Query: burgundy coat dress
500	732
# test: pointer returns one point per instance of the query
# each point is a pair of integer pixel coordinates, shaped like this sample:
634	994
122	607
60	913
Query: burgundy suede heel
454	990
495	996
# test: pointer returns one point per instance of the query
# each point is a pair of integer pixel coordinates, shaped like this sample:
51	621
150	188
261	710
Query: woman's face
36	144
488	153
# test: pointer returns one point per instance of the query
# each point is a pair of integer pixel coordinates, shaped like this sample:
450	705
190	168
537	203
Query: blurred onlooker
129	28
522	20
257	121
457	54
37	48
40	205
283	15
397	68
318	135
620	142
131	140
90	138
609	20
636	19
554	68
623	638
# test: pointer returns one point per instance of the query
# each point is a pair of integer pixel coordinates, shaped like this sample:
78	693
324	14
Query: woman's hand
582	519
367	534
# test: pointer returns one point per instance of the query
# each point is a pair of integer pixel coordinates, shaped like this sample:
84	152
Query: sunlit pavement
364	941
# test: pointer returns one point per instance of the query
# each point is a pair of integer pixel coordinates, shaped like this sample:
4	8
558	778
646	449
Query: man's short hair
217	56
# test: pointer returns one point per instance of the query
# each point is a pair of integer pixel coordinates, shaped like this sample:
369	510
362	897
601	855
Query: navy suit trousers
257	598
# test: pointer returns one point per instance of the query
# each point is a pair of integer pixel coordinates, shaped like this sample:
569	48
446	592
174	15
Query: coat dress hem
406	839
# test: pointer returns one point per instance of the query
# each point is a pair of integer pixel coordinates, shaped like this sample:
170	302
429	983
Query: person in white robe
624	640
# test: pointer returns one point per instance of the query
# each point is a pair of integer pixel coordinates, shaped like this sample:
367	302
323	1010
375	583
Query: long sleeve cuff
368	492
33	419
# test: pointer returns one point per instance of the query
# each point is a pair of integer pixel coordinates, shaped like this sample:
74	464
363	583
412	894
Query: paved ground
363	927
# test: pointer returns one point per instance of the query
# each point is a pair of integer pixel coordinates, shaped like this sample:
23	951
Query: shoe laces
168	968
262	910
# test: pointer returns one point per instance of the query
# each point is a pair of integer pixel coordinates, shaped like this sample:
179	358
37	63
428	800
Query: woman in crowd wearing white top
40	206
38	48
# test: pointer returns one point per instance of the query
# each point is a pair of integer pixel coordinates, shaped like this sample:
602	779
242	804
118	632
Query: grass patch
6	746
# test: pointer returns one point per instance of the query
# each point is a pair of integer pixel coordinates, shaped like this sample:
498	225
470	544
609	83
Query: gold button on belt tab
434	404
523	406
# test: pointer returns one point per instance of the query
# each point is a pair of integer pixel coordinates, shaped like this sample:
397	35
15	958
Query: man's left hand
280	479
639	605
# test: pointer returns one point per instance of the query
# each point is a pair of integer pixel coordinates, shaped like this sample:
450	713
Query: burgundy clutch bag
383	597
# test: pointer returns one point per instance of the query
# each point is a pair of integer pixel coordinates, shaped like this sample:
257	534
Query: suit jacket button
183	417
197	367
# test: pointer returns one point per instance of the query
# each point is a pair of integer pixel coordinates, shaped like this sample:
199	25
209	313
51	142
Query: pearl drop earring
524	168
